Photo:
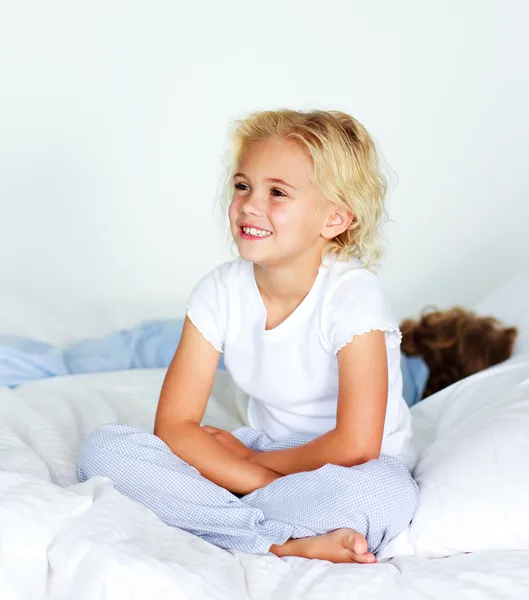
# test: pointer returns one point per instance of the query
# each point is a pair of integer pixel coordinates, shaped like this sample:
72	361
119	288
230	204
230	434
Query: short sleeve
207	307
355	306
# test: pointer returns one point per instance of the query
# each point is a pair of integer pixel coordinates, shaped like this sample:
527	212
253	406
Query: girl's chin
252	252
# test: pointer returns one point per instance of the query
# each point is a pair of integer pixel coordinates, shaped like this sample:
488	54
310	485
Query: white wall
113	118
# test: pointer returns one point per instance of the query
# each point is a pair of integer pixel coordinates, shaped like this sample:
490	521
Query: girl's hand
230	442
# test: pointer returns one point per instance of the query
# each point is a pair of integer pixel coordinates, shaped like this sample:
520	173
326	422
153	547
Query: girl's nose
252	205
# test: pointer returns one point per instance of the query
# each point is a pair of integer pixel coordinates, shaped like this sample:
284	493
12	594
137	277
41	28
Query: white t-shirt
290	372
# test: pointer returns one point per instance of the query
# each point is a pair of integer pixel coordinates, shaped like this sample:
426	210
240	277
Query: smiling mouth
254	232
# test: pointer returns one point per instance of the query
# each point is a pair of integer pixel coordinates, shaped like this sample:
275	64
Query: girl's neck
289	282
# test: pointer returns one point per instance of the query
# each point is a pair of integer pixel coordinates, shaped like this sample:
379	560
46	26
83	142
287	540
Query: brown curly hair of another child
456	343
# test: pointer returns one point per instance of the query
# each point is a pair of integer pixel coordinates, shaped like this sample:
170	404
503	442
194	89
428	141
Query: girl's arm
183	398
362	399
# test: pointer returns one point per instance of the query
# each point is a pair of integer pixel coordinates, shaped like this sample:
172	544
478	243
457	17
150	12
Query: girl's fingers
210	429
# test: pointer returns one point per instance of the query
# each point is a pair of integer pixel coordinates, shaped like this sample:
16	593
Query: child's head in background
303	184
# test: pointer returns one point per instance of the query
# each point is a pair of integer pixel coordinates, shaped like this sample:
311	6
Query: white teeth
256	232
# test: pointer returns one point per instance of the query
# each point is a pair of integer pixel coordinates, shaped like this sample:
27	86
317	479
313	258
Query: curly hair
346	170
456	343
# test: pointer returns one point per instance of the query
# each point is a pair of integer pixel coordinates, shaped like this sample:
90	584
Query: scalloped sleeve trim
201	329
392	332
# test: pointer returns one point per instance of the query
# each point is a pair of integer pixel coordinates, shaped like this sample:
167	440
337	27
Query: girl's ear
339	220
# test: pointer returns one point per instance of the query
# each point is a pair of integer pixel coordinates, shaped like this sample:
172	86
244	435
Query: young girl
307	333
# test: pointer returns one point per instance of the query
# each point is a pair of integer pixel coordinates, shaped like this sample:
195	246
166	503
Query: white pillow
474	473
509	302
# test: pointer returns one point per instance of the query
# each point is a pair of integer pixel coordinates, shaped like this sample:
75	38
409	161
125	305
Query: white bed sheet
63	540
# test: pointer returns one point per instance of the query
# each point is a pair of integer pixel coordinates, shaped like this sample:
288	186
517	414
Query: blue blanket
151	344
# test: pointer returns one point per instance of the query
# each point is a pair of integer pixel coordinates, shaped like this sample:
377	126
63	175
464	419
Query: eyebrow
271	179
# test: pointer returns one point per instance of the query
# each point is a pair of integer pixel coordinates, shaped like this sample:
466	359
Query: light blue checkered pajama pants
377	498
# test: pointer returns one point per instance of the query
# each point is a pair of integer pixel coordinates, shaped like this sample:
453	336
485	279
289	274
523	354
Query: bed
63	540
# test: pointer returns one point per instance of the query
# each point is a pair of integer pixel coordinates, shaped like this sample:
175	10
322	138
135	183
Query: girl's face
276	215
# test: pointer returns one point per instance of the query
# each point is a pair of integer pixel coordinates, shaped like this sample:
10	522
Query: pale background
113	116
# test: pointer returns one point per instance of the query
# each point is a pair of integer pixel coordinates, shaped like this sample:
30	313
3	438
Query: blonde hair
346	170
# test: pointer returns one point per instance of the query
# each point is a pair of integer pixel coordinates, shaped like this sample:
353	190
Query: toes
357	543
366	558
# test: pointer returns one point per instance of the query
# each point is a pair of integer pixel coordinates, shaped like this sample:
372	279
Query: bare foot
339	546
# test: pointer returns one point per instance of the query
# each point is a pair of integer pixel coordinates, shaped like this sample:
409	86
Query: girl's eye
280	193
241	186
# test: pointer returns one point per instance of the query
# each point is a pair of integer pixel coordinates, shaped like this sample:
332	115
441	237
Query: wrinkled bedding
60	539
